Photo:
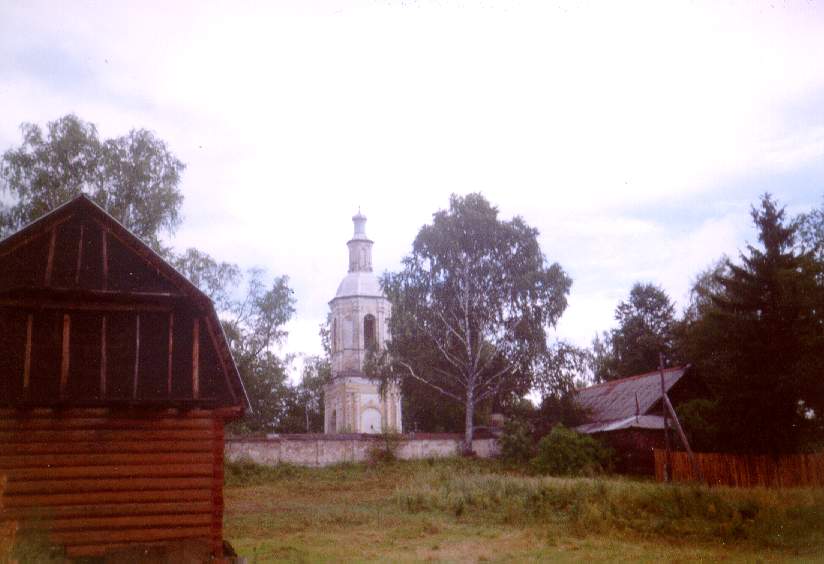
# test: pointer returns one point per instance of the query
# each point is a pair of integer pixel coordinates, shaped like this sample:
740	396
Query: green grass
474	510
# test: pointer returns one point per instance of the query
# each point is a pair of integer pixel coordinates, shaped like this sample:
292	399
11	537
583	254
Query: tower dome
360	281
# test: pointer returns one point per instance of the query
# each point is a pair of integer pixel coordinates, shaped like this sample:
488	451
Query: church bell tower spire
359	324
360	246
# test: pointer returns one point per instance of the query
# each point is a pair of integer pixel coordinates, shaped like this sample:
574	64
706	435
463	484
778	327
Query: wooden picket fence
797	470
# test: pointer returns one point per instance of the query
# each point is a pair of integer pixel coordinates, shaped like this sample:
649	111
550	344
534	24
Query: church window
370	339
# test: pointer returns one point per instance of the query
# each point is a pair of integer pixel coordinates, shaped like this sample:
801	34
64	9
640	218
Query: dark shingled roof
616	399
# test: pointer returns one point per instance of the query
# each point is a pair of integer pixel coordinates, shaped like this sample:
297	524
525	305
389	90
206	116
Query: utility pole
666	419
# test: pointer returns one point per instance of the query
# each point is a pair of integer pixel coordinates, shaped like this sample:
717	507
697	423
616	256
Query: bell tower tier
360	247
360	320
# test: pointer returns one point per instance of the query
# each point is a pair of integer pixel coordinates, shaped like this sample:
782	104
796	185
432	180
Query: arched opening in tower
370	338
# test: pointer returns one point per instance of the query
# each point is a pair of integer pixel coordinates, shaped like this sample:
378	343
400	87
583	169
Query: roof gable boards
91	314
627	397
79	246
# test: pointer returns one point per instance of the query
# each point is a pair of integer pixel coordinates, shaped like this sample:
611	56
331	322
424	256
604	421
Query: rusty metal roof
616	399
655	422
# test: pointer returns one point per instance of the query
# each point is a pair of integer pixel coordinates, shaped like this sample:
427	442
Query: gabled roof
67	281
83	203
627	397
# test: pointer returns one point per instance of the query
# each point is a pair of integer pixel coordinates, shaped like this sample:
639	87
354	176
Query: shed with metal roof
627	413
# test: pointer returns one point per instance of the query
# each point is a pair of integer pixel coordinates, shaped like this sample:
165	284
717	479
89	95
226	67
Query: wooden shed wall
99	479
634	449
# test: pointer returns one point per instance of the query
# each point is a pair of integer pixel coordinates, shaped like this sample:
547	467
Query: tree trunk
470	427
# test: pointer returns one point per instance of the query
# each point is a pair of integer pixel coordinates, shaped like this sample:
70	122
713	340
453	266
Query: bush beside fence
796	470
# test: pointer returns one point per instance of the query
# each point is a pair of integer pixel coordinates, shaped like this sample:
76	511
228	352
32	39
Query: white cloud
579	117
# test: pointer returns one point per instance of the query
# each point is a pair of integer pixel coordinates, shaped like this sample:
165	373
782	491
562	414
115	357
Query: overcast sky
633	135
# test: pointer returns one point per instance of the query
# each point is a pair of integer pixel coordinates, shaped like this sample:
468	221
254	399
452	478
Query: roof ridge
635	377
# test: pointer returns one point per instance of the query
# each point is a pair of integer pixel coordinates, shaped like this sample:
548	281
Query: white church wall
322	450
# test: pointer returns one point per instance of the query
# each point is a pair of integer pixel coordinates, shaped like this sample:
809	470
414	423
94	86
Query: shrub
244	472
517	446
563	452
385	449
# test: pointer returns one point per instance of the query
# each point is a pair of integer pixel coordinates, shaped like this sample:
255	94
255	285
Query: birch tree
134	177
471	305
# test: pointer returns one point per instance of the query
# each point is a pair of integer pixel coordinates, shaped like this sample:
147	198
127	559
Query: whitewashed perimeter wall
325	450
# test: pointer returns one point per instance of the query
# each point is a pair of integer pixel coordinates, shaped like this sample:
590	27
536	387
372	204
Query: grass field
473	510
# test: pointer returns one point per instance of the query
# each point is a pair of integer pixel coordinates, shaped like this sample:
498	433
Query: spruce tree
760	344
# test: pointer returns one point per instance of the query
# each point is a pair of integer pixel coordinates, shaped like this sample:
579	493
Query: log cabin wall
115	384
98	479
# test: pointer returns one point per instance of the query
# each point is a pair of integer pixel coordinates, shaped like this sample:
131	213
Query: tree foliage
134	177
704	286
760	343
472	305
562	368
304	411
216	279
563	452
253	322
646	323
810	235
517	443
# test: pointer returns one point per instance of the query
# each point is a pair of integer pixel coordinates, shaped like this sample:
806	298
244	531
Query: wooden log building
116	381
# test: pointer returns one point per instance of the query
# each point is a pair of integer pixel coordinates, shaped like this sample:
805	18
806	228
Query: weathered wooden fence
797	470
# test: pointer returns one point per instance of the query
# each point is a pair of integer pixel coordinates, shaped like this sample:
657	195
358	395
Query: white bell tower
360	316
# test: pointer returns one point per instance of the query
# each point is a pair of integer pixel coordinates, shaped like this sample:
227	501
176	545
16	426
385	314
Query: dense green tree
562	368
760	342
134	177
254	326
304	413
646	323
705	285
472	305
811	233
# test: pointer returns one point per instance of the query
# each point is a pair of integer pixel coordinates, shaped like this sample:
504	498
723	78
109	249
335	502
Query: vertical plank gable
91	264
154	356
182	355
25	266
120	357
13	326
129	272
66	247
46	351
85	356
212	381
